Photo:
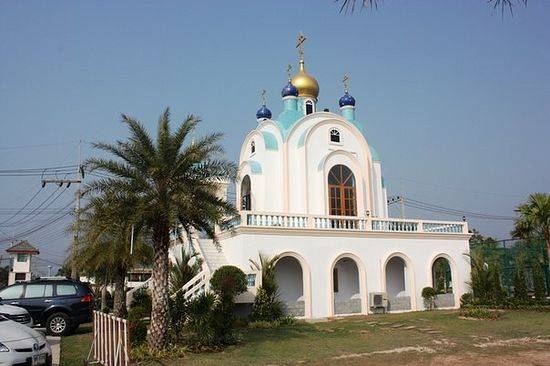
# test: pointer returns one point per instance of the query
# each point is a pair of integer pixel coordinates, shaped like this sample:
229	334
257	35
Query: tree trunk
160	292
119	306
104	298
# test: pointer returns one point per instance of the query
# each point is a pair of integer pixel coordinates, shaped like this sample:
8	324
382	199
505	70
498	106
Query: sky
453	95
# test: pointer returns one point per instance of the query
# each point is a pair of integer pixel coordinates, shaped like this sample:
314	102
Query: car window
48	291
13	292
34	290
66	290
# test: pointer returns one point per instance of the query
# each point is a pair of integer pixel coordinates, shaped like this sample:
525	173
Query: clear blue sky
454	97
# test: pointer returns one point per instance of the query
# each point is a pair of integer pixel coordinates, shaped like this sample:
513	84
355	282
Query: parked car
16	314
58	305
21	345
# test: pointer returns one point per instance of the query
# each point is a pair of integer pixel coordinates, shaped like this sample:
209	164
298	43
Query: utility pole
76	236
401	201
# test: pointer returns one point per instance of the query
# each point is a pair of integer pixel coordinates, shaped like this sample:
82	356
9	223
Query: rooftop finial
345	81
264	97
300	45
288	69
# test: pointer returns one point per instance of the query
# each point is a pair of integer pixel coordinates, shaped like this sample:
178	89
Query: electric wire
30	215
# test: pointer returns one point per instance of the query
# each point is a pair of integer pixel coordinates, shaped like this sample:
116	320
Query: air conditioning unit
378	301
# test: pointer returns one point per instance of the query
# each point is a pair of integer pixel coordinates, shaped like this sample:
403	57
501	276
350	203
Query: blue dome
289	89
346	100
263	113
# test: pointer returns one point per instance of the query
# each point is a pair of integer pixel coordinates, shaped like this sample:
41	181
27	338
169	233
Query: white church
311	189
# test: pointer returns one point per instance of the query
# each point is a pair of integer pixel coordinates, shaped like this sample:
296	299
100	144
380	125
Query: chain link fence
508	253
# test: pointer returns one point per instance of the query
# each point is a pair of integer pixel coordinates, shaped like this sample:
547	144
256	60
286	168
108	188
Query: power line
449	188
38	145
453	212
30	215
26	204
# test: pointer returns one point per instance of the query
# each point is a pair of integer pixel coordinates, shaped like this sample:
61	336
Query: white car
21	345
16	314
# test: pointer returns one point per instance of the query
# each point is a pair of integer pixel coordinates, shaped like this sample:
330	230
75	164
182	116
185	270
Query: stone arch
291	294
398	282
450	301
341	157
361	287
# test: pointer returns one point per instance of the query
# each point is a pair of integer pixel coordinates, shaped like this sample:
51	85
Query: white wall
320	249
293	177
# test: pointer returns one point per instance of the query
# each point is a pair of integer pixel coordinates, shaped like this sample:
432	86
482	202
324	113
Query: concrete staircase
213	257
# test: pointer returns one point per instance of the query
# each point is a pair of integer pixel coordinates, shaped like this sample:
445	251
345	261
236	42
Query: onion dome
263	112
289	90
305	83
346	99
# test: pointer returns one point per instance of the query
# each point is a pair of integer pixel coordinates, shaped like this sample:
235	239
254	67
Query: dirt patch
417	349
514	342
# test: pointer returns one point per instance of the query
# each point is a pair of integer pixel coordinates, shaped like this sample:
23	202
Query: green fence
507	254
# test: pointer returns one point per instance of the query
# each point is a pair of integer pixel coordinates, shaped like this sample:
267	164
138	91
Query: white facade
311	189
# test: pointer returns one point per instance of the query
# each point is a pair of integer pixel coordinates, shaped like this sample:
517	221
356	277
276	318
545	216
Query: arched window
246	201
252	147
342	191
334	135
309	107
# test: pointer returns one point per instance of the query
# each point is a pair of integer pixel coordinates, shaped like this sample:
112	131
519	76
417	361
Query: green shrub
538	280
429	294
177	310
261	324
466	299
228	282
520	287
281	322
287	320
137	325
266	307
480	313
142	298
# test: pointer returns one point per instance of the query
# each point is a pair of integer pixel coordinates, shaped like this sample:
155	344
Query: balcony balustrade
350	223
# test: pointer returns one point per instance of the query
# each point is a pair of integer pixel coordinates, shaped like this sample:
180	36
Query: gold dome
305	83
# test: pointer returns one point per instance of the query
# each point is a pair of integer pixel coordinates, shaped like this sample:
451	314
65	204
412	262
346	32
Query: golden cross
288	68
264	97
300	45
345	81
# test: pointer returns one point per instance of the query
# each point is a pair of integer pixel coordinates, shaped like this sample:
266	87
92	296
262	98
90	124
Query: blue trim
374	153
270	141
255	167
302	140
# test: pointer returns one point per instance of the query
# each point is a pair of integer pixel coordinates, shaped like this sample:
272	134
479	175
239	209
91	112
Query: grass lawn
437	337
75	348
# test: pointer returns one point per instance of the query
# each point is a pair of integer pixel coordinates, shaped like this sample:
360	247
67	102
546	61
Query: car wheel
58	324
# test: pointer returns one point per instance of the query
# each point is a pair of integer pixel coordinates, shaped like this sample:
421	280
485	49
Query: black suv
60	305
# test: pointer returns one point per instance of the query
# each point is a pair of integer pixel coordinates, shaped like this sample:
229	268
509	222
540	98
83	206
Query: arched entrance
398	286
442	282
290	279
346	287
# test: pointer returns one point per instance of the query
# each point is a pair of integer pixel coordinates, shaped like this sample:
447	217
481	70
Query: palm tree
267	266
534	220
181	272
105	250
175	184
350	5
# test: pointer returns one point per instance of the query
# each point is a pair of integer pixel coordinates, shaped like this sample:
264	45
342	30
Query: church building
311	191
